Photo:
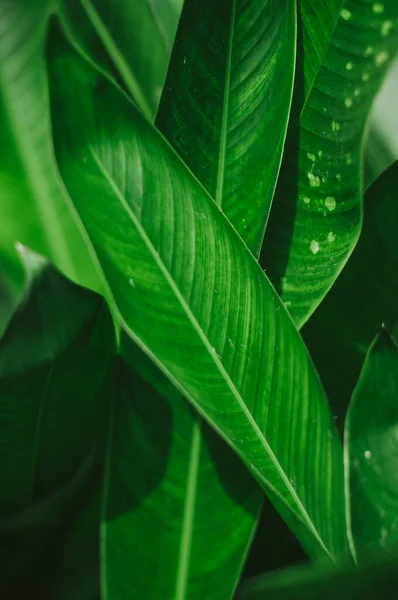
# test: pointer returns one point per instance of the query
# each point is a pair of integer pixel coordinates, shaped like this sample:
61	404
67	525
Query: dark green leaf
226	102
364	296
376	580
371	451
316	214
221	334
179	508
133	39
54	363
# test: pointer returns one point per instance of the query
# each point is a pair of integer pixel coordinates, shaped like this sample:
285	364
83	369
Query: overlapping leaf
109	33
371	451
376	579
229	83
239	67
31	188
316	214
222	337
364	296
58	331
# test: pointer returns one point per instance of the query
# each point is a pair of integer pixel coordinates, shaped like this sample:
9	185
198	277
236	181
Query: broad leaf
30	184
109	33
178	506
364	296
316	214
226	102
54	363
222	335
376	580
371	450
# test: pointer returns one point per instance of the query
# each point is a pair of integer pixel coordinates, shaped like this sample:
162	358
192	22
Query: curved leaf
30	184
316	213
229	82
222	336
109	33
364	296
54	362
371	451
371	582
173	496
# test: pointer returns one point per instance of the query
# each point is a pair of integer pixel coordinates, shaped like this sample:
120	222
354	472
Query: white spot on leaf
314	247
378	8
331	236
349	66
367	454
348	102
386	28
381	58
330	203
314	180
306	200
335	126
345	14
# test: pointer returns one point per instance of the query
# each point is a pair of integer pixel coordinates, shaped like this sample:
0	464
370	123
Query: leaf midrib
305	516
225	109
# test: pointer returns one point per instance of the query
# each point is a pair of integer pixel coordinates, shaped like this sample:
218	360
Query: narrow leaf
222	336
364	296
371	451
226	102
316	214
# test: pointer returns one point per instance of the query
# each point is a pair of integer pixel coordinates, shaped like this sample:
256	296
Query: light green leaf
316	214
30	184
130	39
371	451
376	580
177	503
54	363
365	295
226	102
221	336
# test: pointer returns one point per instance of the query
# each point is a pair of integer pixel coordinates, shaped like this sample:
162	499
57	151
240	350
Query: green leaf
30	184
316	214
226	102
24	536
221	334
365	295
376	580
176	503
54	364
109	33
74	558
371	451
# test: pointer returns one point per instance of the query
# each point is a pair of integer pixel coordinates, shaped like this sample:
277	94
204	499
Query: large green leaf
364	296
226	102
196	301
174	496
316	214
240	77
377	579
129	39
54	360
371	451
34	206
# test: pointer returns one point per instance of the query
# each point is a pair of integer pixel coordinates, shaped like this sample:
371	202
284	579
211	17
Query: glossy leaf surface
54	360
110	33
229	82
364	296
371	450
220	317
374	581
30	184
316	214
